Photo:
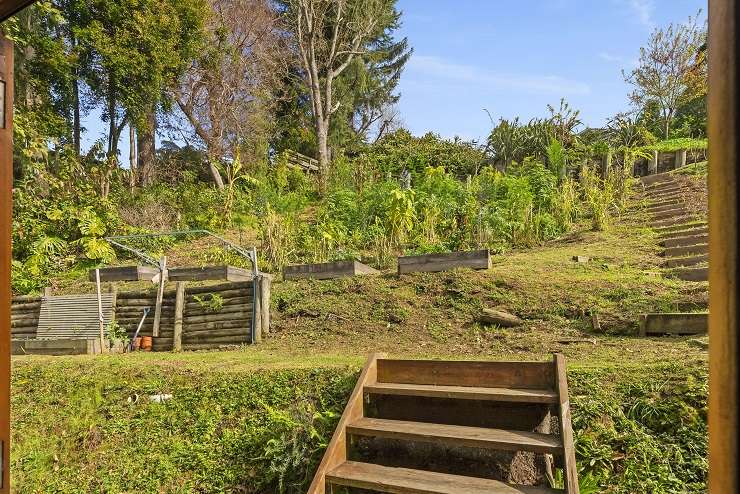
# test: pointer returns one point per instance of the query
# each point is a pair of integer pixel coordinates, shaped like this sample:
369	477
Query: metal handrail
116	240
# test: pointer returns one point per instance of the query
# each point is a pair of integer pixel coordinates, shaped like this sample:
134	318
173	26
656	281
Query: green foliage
401	151
211	302
115	332
672	145
637	429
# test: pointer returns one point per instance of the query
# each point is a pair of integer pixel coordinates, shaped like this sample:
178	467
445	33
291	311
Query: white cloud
550	84
643	11
608	57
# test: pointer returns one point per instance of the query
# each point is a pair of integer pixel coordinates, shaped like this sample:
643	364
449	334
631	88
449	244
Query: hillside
256	419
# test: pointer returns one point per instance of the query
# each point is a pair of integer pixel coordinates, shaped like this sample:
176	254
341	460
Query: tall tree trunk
132	158
147	148
112	127
322	134
76	131
215	173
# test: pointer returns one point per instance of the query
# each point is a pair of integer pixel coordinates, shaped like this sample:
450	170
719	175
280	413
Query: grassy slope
238	424
243	420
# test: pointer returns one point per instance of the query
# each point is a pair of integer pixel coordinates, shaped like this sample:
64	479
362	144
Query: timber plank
408	481
206	273
125	273
456	435
698	230
691	274
687	250
327	270
521	375
674	323
686	240
677	262
509	395
479	259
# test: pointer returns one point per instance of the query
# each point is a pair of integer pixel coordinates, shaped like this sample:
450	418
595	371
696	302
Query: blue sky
513	57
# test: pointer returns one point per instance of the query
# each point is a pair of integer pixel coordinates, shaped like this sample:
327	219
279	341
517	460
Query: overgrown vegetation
638	429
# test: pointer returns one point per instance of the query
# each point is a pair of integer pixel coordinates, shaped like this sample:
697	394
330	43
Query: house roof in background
10	7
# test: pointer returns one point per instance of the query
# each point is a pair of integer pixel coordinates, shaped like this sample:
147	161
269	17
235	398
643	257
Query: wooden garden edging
479	259
327	270
674	323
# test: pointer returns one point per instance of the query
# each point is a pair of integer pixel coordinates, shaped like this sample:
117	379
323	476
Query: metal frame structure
118	241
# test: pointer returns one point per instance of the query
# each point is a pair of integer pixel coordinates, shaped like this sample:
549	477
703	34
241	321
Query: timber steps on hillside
502	410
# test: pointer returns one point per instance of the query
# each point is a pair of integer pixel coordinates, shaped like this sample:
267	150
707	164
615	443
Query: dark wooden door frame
724	131
724	274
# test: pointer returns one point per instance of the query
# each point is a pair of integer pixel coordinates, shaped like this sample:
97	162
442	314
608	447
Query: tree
226	93
367	89
329	35
666	72
135	49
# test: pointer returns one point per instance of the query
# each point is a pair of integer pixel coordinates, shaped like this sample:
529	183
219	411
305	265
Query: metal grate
73	316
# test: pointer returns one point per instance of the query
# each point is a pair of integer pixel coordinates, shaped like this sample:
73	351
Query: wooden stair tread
408	481
456	435
511	395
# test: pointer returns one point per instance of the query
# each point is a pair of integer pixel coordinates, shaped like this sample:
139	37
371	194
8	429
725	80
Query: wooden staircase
452	427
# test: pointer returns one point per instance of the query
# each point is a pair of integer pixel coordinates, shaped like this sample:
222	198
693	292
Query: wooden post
6	206
101	320
257	301
265	287
606	164
653	164
179	309
724	223
680	159
160	296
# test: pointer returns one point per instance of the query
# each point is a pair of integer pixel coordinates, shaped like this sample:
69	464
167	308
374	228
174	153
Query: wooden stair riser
687	261
691	274
671	213
664	206
685	241
676	221
701	230
683	227
520	375
687	250
533	417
